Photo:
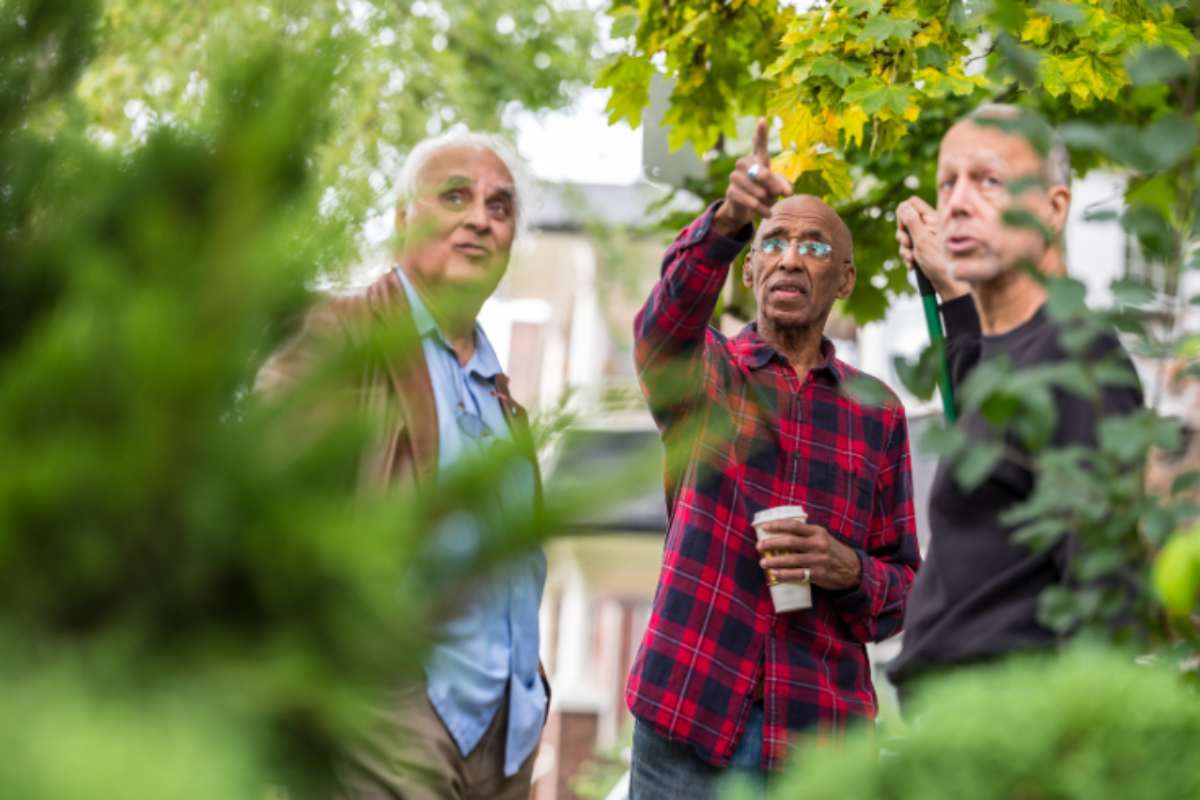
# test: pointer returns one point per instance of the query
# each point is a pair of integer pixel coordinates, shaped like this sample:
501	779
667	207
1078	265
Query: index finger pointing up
761	154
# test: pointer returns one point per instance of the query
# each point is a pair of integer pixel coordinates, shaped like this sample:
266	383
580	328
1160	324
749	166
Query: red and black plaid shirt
743	433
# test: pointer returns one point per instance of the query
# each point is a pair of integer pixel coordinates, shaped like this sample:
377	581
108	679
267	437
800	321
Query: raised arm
672	328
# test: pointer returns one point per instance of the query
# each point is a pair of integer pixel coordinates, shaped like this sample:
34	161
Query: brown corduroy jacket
395	393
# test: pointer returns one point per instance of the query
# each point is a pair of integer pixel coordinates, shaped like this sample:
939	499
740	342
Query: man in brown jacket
471	728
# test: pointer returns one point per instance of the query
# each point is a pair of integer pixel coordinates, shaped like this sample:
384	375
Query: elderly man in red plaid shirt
763	419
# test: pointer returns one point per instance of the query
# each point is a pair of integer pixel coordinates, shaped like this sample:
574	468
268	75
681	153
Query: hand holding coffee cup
796	552
794	595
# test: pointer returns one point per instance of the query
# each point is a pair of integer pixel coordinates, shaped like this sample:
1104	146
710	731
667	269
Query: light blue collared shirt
493	643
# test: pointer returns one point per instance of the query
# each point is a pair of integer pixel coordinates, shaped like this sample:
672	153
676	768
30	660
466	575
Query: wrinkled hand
747	196
797	546
920	243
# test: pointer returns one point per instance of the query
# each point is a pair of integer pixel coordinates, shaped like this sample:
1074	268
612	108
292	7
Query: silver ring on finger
805	574
754	171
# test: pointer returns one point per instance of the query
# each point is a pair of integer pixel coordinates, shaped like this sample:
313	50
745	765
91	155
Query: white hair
408	188
1056	161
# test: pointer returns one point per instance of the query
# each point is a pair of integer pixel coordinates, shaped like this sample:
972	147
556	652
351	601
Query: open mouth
961	245
789	291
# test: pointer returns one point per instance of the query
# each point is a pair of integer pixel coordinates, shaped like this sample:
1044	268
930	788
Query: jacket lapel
414	389
409	375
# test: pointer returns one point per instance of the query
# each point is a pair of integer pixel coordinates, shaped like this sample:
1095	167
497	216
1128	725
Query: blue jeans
663	770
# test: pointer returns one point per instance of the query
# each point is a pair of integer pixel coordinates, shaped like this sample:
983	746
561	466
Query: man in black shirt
976	597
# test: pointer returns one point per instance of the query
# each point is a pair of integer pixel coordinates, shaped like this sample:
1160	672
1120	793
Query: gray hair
407	185
1046	141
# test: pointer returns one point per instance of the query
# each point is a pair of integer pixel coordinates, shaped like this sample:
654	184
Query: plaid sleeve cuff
718	250
857	600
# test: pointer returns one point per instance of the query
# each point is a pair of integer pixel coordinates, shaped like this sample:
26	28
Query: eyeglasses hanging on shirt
467	414
470	423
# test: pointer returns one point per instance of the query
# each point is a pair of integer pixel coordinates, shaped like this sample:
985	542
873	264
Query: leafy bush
1090	724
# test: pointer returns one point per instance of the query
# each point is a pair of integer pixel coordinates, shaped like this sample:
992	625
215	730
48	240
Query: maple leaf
836	173
800	128
882	28
852	121
1036	30
791	164
838	70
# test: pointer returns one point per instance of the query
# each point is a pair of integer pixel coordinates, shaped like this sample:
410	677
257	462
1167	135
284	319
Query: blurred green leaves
28	75
143	506
1156	65
1177	574
1089	724
403	70
920	376
75	741
1157	147
198	600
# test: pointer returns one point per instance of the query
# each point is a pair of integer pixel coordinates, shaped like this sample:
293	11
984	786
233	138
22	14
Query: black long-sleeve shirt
976	597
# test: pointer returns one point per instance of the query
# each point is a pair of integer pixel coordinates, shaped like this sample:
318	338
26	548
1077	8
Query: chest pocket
839	497
790	449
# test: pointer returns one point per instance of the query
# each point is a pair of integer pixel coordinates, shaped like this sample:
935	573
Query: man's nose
961	198
477	216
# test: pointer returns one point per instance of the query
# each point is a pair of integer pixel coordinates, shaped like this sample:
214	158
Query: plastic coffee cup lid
778	513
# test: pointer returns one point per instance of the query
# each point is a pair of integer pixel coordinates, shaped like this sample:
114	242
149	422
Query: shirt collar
421	317
483	362
755	352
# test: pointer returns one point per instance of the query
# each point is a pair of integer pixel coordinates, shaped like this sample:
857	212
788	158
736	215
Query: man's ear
747	270
849	276
1060	205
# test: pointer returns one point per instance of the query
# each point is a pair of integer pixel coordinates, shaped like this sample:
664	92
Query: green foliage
1177	574
921	375
863	91
197	600
1094	494
710	47
1088	725
403	69
66	739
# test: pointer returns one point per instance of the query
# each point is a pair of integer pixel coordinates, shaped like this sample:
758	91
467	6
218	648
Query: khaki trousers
413	757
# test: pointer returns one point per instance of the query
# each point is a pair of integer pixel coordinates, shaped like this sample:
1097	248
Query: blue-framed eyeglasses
472	424
777	246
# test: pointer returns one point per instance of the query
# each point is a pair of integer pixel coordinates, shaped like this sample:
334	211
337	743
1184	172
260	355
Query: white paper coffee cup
785	595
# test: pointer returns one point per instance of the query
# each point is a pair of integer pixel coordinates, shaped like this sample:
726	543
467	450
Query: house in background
561	318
